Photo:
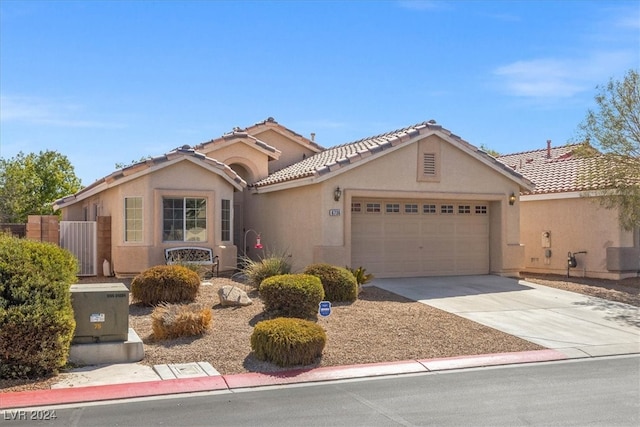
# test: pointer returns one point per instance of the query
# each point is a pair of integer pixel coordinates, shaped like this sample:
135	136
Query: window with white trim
225	220
356	207
411	208
392	208
481	209
429	209
133	219
464	209
184	219
373	207
446	209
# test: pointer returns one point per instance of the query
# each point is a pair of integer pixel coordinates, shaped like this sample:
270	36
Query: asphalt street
602	391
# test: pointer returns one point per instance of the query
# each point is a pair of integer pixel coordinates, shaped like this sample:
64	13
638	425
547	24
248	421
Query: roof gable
336	159
251	135
238	136
271	124
139	169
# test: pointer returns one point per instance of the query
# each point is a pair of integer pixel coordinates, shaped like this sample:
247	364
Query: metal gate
80	238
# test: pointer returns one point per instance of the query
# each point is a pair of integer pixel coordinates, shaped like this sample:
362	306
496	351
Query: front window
184	219
133	219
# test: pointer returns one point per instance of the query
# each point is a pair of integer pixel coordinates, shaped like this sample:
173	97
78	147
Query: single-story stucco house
561	217
411	202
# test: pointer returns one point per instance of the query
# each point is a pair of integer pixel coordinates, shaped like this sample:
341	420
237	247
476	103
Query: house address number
334	212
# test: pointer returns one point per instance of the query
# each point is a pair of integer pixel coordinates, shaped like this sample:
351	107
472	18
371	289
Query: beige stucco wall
574	224
298	219
182	179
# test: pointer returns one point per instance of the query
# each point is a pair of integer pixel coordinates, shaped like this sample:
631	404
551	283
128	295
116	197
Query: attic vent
429	164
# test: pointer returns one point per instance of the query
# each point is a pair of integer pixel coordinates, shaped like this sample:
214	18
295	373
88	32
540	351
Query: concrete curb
255	379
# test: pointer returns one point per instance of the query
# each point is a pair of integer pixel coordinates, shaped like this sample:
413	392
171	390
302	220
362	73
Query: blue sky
112	82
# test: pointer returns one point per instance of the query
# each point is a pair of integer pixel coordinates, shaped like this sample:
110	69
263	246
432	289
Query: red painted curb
492	359
110	392
255	379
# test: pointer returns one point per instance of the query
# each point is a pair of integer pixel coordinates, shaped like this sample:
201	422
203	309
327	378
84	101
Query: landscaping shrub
288	341
178	320
165	283
339	283
273	264
292	295
361	275
36	316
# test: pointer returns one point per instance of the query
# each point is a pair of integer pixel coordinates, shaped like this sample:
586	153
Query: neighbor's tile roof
347	154
557	169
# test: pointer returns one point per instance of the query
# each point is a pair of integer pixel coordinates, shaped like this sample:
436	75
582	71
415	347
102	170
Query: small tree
614	129
30	183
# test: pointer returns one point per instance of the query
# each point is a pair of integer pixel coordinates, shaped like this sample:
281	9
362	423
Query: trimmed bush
177	320
165	283
36	316
272	265
292	295
339	284
288	341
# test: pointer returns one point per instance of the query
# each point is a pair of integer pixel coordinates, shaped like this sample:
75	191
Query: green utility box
101	311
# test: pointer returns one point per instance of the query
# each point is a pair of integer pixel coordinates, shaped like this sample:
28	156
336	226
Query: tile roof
344	155
249	132
557	169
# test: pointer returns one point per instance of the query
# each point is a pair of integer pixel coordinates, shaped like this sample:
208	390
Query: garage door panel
398	244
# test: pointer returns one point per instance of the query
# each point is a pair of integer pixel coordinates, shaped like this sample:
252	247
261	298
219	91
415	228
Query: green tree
613	128
30	183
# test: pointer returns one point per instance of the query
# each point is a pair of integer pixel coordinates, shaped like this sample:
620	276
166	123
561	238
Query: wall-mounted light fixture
337	193
512	199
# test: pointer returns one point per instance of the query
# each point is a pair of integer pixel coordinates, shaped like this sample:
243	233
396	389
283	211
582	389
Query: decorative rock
233	296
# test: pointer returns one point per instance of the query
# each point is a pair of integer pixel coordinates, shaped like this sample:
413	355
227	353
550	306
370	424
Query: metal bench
193	255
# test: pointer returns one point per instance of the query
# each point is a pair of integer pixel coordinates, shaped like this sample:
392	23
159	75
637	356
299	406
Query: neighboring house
562	216
412	202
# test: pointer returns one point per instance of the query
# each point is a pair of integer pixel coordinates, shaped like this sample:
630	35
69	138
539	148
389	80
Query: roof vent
271	119
185	147
313	136
432	122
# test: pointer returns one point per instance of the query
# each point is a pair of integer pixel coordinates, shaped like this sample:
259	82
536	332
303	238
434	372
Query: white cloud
561	78
420	4
40	111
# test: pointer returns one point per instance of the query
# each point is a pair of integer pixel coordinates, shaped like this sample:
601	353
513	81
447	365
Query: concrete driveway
574	324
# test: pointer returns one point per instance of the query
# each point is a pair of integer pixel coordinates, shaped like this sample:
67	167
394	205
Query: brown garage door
405	238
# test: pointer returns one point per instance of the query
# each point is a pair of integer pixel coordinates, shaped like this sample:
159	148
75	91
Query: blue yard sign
324	308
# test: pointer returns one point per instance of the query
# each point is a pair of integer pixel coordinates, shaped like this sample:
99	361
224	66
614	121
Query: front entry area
409	238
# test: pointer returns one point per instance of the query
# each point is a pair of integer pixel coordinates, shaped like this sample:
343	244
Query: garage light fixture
512	199
337	193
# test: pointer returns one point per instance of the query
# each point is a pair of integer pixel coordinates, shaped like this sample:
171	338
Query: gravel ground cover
378	327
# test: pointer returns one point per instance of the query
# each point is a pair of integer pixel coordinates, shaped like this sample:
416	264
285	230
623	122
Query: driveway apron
575	324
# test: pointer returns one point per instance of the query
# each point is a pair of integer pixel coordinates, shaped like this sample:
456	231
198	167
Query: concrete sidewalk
126	381
574	324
